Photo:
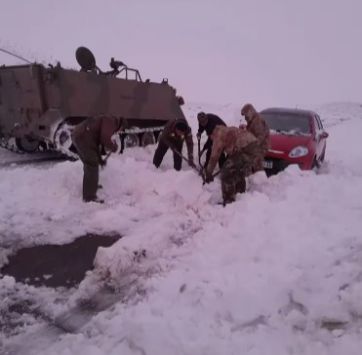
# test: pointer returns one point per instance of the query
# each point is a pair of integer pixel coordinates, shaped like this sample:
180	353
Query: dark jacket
168	136
93	133
212	122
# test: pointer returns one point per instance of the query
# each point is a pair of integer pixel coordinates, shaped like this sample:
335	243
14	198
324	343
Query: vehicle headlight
298	152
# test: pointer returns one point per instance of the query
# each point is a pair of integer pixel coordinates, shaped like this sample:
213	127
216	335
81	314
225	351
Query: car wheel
322	156
131	140
63	141
27	144
315	164
147	139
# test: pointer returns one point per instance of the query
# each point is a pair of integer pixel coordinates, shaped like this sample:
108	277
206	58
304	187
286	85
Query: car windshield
287	123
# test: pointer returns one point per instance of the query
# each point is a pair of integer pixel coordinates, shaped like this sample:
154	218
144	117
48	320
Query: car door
317	138
320	136
323	137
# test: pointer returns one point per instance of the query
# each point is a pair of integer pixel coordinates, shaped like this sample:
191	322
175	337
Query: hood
286	142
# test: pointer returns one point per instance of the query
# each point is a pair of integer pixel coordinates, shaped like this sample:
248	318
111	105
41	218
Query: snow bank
278	271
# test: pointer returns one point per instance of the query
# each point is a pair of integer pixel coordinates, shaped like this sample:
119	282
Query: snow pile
336	113
278	271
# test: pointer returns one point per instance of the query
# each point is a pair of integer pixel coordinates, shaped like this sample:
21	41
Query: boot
228	201
95	199
241	186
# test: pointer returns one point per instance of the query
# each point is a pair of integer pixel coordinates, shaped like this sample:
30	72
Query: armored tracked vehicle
40	105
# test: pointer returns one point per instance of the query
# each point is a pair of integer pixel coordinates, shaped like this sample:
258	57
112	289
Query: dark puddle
57	265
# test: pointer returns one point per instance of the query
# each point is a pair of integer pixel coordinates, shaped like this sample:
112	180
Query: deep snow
277	272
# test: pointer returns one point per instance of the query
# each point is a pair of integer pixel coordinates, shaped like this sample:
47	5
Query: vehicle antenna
15	55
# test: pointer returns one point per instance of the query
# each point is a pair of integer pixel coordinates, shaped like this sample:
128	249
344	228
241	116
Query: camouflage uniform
258	127
241	148
89	137
169	139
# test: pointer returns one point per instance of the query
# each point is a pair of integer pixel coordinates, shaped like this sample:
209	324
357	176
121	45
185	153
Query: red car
296	137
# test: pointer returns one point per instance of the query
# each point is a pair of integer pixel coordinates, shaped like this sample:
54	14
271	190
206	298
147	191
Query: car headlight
298	152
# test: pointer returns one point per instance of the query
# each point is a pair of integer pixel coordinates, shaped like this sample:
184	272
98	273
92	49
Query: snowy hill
276	272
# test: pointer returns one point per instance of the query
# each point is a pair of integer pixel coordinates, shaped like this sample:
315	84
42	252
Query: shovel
200	172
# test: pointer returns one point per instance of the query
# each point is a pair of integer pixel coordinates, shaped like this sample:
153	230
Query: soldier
241	148
173	136
89	137
207	122
259	128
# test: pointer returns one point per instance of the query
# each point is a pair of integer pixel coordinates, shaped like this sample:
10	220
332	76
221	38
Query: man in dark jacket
207	122
174	134
89	137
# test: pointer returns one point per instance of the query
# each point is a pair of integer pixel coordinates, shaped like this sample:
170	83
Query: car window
288	123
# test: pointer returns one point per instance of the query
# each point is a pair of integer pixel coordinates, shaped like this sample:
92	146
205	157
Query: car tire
147	139
315	164
27	145
63	140
131	140
322	156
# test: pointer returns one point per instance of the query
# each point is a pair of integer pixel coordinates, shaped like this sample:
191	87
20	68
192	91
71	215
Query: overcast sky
269	52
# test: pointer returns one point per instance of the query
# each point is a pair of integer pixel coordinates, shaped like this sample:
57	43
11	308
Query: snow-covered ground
277	272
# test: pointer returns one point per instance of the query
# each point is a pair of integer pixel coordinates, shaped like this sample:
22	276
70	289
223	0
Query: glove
102	162
208	177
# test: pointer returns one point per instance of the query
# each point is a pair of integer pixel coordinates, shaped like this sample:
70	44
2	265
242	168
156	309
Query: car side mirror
324	135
